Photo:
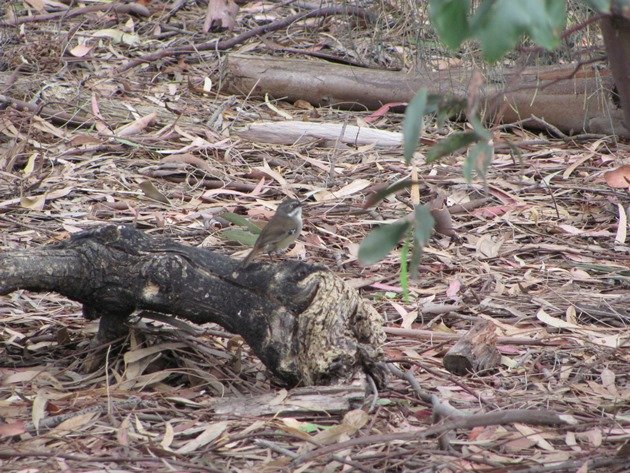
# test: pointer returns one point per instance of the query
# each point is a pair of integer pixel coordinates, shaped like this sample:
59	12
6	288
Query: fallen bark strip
585	464
332	400
297	132
441	336
92	458
303	322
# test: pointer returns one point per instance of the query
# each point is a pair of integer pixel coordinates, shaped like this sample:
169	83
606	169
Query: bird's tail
247	260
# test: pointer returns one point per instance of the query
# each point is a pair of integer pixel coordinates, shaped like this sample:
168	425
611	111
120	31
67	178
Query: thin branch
440	336
506	417
222	45
134	8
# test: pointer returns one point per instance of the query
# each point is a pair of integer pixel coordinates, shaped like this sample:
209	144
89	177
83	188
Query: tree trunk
616	32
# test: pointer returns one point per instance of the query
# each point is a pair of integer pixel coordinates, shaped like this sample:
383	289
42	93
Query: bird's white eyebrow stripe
295	212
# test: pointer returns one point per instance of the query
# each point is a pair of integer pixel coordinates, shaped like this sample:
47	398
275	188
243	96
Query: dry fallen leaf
14	428
74	423
81	50
619	178
442	217
221	15
38	411
33	203
151	192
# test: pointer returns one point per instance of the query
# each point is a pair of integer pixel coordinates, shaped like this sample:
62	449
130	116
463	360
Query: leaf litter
541	252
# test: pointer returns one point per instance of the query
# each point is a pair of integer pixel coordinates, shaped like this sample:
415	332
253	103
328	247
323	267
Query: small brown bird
282	230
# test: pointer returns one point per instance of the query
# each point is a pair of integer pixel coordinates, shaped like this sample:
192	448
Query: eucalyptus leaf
380	241
381	194
238	235
478	159
423	228
423	224
404	273
451	143
241	221
450	20
500	24
412	123
481	130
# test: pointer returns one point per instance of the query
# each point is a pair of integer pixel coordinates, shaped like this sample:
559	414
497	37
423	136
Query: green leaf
547	20
451	143
381	194
482	131
500	24
380	241
404	274
450	107
241	221
412	123
602	6
238	235
423	227
423	224
450	20
478	159
310	428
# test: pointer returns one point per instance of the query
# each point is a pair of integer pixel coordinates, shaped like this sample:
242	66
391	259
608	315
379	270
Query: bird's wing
278	232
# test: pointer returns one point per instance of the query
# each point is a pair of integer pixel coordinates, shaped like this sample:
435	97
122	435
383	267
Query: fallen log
305	324
575	99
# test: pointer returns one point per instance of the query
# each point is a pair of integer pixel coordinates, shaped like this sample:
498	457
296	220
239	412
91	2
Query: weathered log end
339	334
475	352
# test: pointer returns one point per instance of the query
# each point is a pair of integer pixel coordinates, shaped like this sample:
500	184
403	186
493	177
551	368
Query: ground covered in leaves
539	250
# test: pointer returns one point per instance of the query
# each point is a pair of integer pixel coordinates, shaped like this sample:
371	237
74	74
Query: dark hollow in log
303	322
475	352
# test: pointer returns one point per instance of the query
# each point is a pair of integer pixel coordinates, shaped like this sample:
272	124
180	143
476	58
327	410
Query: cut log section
305	324
475	352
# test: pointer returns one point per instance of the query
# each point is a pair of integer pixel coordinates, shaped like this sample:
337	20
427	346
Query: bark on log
304	323
475	352
577	104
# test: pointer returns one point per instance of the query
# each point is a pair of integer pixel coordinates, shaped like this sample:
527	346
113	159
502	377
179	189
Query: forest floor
540	252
